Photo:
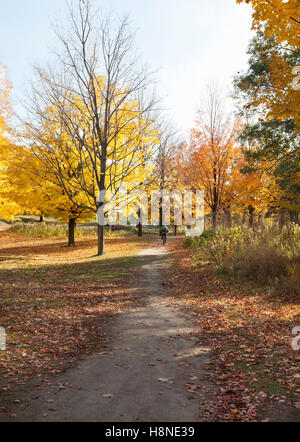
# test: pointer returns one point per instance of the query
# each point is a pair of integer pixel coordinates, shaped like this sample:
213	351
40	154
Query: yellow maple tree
34	188
75	164
276	93
280	18
8	208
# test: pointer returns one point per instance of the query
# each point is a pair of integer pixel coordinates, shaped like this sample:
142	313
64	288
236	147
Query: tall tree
96	103
253	193
8	208
267	86
277	17
272	134
33	186
207	161
165	175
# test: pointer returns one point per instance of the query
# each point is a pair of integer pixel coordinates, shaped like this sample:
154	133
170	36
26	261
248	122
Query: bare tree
90	105
164	175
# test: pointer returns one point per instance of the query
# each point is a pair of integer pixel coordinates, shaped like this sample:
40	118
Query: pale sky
189	42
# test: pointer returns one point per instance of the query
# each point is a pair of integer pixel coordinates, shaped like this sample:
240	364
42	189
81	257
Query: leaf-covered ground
253	366
53	299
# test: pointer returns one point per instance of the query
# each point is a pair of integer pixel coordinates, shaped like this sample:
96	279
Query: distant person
164	232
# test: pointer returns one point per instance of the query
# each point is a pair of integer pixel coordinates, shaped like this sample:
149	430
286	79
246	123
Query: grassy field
32	228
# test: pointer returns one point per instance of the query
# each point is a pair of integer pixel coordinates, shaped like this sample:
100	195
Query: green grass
96	269
57	230
264	383
50	230
269	385
105	270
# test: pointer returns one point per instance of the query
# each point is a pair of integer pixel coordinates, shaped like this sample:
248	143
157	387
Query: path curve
143	374
5	228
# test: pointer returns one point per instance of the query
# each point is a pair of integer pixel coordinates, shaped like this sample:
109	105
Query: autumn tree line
92	122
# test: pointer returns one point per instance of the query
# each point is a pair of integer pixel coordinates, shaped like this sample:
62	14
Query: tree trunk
260	221
294	217
72	225
251	216
140	230
41	218
228	217
281	219
160	215
100	206
175	230
214	218
100	240
215	200
140	225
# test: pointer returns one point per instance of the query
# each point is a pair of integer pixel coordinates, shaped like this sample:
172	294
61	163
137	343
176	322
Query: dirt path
5	228
150	358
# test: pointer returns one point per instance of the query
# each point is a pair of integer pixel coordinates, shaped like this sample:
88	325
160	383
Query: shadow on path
144	372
